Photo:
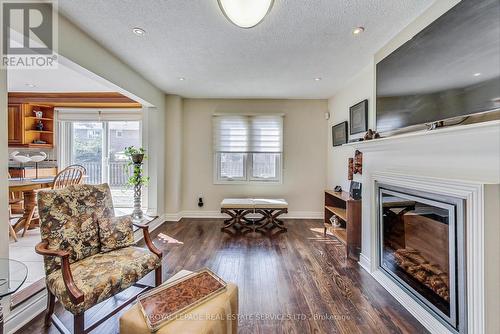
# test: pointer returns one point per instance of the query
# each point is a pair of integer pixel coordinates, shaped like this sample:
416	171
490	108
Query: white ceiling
61	80
297	42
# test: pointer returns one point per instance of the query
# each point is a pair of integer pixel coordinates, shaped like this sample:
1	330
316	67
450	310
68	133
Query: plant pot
137	158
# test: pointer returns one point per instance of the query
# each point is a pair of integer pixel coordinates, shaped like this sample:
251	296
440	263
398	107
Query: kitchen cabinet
15	124
24	128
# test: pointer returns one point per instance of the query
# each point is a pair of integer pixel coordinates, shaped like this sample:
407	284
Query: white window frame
279	169
219	179
247	171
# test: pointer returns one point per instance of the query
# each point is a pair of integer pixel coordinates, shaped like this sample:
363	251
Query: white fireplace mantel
463	162
489	129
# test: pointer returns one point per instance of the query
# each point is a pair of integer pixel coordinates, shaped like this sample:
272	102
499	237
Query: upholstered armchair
89	254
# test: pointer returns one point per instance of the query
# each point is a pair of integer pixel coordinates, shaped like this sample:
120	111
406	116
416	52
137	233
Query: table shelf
348	210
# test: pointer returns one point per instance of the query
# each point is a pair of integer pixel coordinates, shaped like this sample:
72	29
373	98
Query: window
247	148
93	134
119	133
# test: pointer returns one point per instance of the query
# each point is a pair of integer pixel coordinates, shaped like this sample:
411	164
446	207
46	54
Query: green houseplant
137	179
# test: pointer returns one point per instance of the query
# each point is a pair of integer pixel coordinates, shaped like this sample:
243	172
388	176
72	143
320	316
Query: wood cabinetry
348	213
22	125
15	124
30	173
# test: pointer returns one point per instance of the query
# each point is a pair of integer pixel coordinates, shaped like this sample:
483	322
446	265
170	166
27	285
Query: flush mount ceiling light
245	13
317	79
477	74
139	31
358	30
182	78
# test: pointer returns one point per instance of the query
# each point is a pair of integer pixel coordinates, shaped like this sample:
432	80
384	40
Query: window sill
244	182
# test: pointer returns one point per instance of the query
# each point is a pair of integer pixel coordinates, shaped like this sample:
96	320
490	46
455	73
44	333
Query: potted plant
137	179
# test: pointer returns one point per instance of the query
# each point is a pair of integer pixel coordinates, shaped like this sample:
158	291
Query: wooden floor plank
294	282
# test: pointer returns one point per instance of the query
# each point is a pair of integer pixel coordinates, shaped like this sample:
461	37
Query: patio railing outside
123	195
118	175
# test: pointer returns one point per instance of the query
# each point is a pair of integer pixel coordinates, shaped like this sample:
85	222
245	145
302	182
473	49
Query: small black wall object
200	202
355	191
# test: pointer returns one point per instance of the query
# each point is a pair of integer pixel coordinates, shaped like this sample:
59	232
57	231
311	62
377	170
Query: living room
302	168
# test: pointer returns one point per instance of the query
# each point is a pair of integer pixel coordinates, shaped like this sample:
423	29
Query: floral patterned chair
89	254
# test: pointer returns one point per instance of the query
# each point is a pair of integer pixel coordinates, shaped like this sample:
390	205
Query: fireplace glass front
421	248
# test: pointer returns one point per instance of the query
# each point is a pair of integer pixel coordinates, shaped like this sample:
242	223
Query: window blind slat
258	134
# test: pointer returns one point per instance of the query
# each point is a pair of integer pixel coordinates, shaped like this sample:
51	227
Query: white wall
304	155
356	90
173	173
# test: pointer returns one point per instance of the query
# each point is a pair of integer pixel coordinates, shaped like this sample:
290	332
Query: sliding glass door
87	143
99	146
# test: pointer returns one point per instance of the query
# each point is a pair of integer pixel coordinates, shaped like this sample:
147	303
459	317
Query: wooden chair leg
79	323
50	308
27	222
12	232
158	276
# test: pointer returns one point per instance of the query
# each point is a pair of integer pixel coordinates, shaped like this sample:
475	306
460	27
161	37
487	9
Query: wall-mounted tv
449	69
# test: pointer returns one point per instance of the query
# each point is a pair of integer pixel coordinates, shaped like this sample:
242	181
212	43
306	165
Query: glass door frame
66	142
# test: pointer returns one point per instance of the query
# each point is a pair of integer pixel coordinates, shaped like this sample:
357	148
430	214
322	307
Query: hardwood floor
293	282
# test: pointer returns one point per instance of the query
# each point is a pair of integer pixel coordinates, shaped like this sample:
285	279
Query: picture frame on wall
358	117
339	134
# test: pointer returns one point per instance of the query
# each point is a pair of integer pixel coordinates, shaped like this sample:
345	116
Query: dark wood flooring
293	282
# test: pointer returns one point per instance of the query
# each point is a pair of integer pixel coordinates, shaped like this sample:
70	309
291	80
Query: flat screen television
449	69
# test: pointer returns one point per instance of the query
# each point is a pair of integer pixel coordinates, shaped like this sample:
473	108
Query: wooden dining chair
70	175
13	200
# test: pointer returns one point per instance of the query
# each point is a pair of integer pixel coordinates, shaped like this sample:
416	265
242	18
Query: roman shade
248	133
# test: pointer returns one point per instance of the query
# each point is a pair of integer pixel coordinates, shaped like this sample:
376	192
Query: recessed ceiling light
30	85
182	78
358	30
317	79
139	31
477	74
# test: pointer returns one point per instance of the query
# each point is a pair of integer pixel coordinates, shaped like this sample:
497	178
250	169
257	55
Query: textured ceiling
60	80
297	42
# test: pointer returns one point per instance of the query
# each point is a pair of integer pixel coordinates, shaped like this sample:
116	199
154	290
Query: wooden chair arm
75	294
41	248
148	241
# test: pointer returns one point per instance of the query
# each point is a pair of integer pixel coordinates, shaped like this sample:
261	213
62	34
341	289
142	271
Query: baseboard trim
153	225
365	262
25	312
218	215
